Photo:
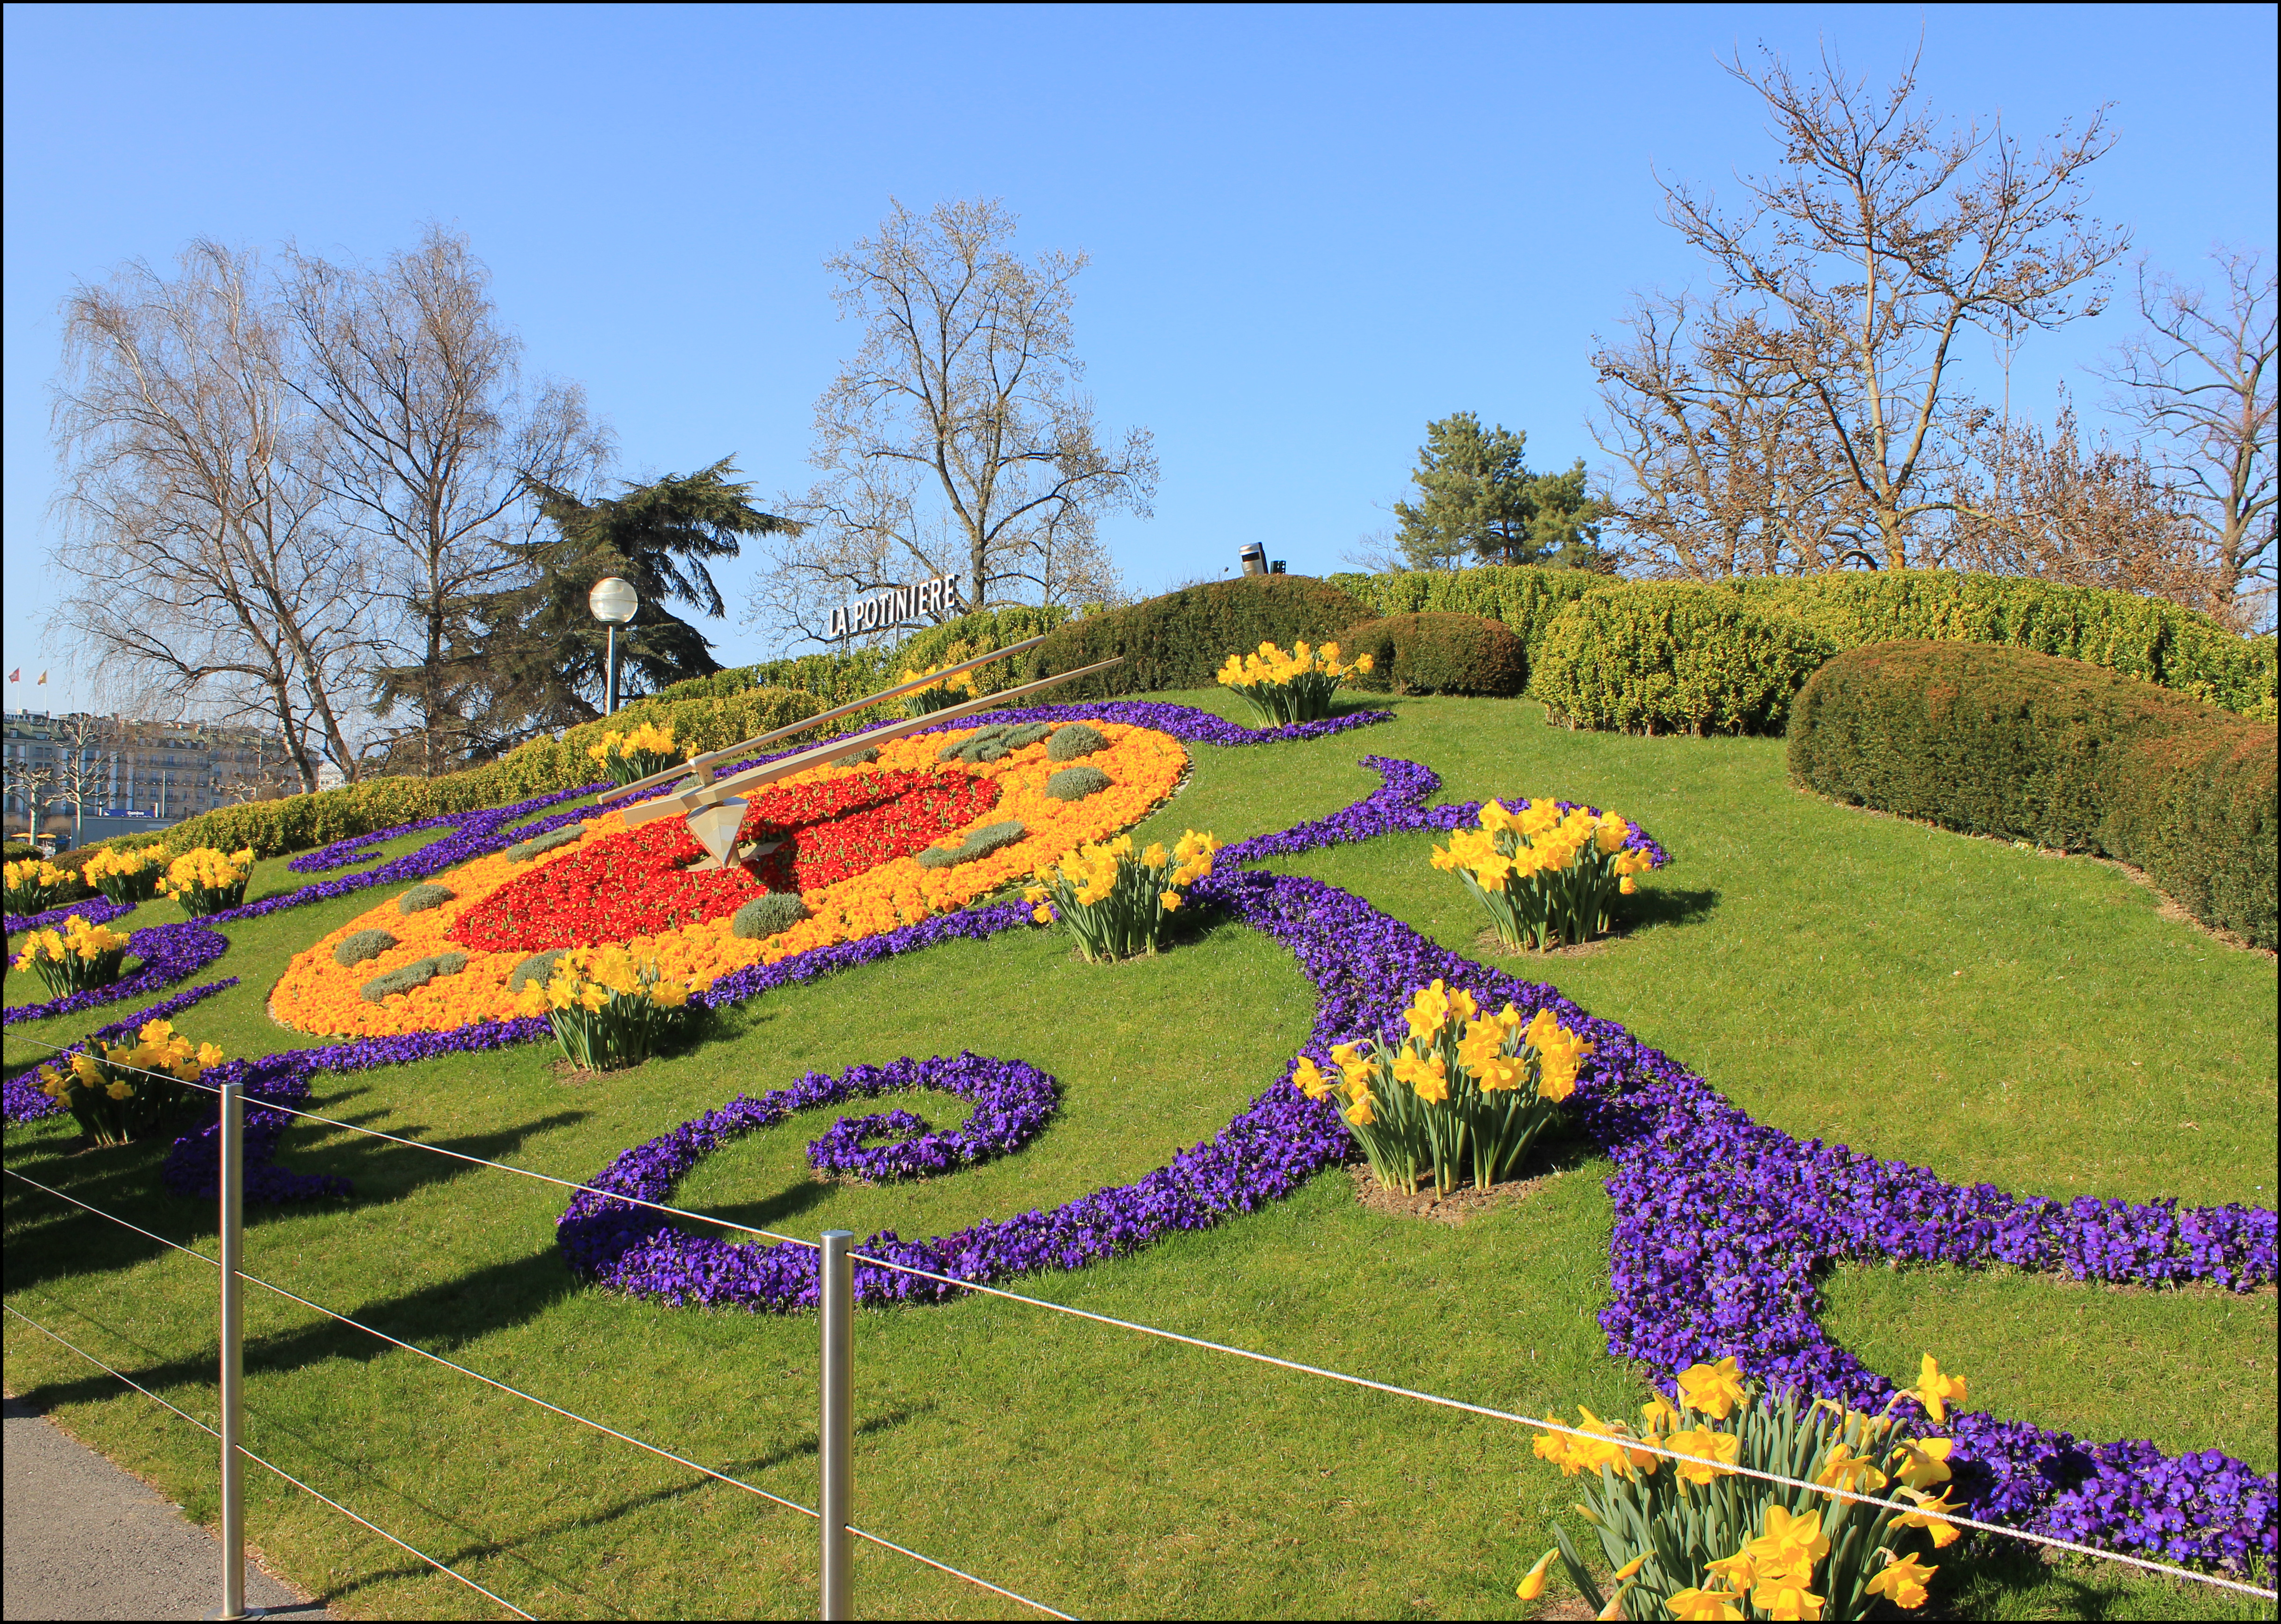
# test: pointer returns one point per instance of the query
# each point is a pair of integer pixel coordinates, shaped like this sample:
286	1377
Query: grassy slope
1801	957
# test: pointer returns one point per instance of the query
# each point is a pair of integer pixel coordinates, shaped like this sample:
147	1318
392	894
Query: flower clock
1721	1226
854	851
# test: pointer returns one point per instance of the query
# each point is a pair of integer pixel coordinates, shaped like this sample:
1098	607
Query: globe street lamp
614	602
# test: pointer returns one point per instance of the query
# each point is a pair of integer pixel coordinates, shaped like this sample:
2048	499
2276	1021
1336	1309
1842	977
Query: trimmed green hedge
2146	637
2140	637
298	822
2028	746
1660	657
1437	653
1181	640
843	679
1525	598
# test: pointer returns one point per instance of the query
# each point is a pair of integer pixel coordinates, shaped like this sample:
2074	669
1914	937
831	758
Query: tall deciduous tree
210	573
1476	496
958	440
433	443
1880	238
1727	464
2201	381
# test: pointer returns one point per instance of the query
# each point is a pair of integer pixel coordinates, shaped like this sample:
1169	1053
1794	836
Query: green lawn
1991	1012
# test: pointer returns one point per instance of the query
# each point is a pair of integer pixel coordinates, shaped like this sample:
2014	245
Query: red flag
17	675
43	682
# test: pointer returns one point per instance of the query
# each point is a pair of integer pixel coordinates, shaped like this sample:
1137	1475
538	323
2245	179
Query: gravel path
86	1540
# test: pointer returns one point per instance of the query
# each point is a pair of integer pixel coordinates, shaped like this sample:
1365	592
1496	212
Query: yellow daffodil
1902	1580
1787	1598
1713	1389
1310	1079
1924	1463
1706	1604
1532	1584
1934	1390
1927	1516
1709	1449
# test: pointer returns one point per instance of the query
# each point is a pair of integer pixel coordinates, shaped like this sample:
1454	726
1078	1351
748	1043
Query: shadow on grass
517	1549
1655	906
125	1180
2013	1582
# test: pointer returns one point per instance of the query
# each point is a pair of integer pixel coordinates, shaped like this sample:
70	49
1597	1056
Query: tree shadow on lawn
124	1181
2010	1582
514	1548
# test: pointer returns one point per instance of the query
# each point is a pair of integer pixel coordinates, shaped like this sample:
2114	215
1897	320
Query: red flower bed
638	883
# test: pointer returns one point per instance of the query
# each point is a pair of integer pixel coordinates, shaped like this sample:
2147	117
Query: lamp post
614	602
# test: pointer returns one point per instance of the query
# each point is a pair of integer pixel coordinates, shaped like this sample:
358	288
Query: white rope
1573	1432
258	1461
458	1156
530	1398
2168	1569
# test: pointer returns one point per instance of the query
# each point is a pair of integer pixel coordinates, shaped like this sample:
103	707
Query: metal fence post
836	1436
233	1329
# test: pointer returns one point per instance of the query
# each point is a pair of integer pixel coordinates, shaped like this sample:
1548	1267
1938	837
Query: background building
91	777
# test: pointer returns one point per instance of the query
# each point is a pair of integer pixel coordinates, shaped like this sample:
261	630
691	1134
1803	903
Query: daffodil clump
206	881
628	757
1460	1099
1293	687
126	878
34	886
124	1091
608	1009
950	690
1114	897
75	958
1689	1539
1543	874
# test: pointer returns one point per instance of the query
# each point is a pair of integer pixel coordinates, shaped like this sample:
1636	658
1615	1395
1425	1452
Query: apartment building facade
76	768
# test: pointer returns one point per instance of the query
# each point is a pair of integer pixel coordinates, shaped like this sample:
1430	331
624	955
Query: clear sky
1311	229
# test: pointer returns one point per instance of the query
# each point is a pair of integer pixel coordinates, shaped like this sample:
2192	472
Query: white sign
892	608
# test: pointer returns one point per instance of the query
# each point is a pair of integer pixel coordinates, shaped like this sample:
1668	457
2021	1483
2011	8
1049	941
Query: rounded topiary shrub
978	843
1430	653
1661	657
538	967
360	946
527	849
1180	639
418	973
1077	739
765	915
420	899
2028	746
1075	783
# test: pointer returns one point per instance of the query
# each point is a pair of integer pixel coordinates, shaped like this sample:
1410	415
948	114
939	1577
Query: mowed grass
1802	957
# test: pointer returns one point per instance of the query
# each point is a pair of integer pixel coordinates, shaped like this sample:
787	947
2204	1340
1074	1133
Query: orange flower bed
318	994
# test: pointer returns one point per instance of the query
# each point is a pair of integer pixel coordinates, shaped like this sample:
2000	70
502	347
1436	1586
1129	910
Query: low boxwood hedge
2028	746
1437	653
298	822
2122	631
1181	640
1665	657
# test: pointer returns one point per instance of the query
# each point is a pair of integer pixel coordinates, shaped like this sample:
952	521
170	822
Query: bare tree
957	440
1728	464
28	784
432	448
1881	236
2048	504
2201	381
207	569
86	758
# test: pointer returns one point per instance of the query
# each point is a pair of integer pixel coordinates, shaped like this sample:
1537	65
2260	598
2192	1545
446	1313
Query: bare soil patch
1451	1209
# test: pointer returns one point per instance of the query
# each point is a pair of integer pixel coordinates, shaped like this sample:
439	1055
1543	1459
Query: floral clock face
848	840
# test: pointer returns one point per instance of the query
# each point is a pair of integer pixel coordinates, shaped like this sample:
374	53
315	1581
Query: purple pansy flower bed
94	910
170	952
1721	1225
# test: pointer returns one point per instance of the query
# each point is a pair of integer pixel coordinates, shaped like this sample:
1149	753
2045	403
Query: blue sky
1311	229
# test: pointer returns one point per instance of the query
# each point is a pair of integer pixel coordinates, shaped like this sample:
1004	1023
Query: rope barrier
477	1375
439	1567
2166	1569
